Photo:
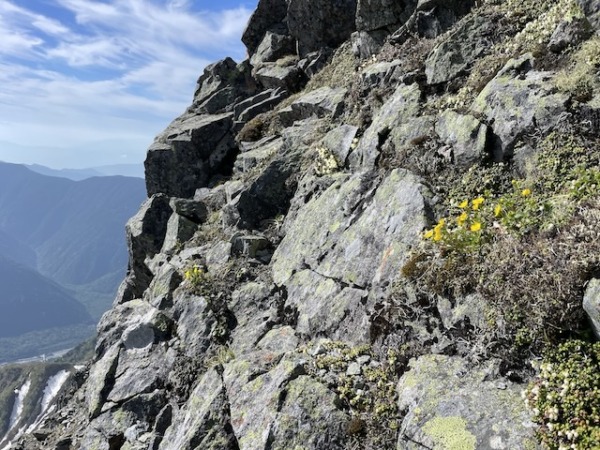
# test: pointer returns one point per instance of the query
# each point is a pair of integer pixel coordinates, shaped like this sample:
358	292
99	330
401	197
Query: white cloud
118	69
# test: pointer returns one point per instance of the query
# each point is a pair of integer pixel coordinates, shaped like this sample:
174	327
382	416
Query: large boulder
450	405
269	15
466	135
400	109
215	77
325	101
318	260
279	76
517	100
376	14
270	192
145	236
188	153
272	47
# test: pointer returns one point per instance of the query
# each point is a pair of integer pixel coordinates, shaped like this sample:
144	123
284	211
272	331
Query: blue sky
91	82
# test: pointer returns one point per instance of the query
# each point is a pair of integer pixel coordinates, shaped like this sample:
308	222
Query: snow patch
19	402
53	386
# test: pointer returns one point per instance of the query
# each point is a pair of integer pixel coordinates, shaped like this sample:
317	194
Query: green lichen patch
449	433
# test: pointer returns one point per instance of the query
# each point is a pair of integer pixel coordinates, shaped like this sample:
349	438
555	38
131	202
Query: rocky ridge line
280	294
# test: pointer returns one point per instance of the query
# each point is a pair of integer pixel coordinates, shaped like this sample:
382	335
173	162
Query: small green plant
219	357
565	397
522	211
586	183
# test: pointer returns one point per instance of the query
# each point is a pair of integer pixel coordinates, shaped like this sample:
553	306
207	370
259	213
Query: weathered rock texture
281	294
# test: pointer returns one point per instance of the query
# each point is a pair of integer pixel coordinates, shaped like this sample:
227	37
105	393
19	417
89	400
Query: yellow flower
476	226
462	218
428	234
477	203
497	210
436	233
526	192
464	204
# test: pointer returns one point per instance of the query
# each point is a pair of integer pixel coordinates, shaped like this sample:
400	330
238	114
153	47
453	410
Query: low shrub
565	397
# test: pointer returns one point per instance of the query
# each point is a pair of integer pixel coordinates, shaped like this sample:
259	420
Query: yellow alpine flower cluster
467	220
196	275
193	272
475	218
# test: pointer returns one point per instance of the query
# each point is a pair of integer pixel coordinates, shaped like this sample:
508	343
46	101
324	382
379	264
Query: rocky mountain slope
379	232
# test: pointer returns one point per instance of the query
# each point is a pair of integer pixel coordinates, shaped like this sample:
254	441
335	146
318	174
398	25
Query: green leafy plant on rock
565	397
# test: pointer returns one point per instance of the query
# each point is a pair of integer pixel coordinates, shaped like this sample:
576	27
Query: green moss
450	433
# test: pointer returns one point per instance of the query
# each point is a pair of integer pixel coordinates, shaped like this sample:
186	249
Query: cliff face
359	238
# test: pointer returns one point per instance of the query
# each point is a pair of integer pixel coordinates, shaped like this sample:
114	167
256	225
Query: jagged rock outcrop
372	263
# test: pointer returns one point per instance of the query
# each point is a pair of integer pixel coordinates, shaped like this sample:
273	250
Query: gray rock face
318	259
591	305
201	423
516	100
179	230
375	14
321	102
313	62
400	108
270	193
320	23
275	76
340	141
269	15
459	51
272	47
215	77
260	103
465	134
273	305
591	9
145	236
185	156
451	405
190	209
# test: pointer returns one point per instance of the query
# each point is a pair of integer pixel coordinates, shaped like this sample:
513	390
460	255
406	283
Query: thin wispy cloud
74	73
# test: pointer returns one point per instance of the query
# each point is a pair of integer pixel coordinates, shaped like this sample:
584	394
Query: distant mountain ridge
72	226
62	253
128	170
44	302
